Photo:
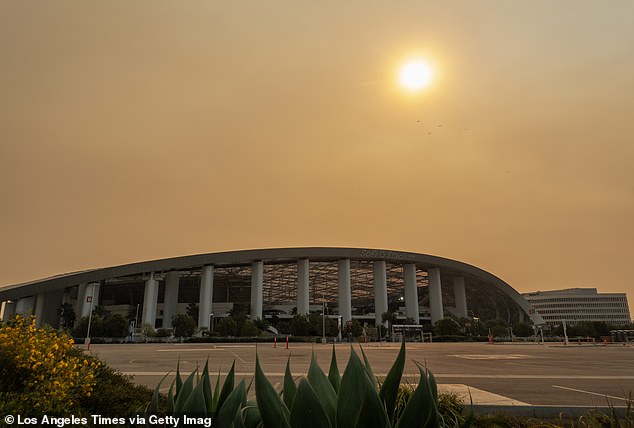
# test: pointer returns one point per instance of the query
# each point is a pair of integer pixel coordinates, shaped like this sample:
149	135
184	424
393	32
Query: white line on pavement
589	392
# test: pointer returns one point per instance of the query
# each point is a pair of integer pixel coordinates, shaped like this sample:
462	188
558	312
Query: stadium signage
392	255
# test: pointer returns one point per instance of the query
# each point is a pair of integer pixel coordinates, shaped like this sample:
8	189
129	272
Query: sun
414	75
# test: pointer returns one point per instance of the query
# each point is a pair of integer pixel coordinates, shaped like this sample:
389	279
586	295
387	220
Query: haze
138	130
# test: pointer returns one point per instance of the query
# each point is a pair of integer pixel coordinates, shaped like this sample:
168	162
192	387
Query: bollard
275	342
286	342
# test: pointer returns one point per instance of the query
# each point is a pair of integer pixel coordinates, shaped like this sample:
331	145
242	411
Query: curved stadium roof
475	277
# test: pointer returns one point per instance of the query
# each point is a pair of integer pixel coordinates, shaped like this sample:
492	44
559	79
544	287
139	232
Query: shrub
184	325
41	372
226	327
249	329
300	326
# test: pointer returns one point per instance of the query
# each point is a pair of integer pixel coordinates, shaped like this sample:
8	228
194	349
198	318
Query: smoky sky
138	130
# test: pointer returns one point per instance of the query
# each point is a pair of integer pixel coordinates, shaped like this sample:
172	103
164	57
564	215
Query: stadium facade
347	283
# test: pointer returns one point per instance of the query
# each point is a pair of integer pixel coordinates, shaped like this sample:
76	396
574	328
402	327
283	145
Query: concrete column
91	298
206	296
150	300
380	290
460	296
24	306
302	287
411	292
257	285
52	302
345	303
171	298
9	311
79	303
435	295
40	303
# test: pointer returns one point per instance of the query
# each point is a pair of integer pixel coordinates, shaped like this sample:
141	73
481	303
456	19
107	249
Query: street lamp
323	319
91	301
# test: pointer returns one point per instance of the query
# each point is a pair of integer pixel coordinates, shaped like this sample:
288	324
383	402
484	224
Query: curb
549	411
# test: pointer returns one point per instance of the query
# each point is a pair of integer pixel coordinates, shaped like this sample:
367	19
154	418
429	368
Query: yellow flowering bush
40	370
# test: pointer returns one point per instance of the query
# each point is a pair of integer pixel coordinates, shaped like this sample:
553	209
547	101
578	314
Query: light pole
323	319
90	315
136	321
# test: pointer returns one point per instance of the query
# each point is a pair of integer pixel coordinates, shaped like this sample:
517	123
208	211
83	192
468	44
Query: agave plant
352	400
195	399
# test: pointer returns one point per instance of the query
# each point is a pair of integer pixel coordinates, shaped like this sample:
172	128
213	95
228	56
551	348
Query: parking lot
493	374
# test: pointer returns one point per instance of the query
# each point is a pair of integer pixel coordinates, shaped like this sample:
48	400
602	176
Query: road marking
589	392
190	350
517	376
490	357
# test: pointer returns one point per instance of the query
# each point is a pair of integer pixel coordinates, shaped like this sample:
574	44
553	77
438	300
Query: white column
9	311
171	298
257	284
90	299
150	300
380	290
302	287
39	309
411	292
24	306
79	303
345	303
435	295
206	296
460	296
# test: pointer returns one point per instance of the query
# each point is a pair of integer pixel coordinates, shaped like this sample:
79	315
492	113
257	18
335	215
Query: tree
317	324
226	327
522	329
354	329
447	327
192	311
67	314
249	329
184	325
300	326
115	326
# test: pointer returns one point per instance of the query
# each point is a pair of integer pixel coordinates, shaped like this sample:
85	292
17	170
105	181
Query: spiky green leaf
170	399
155	397
351	392
204	379
227	411
290	389
323	388
179	381
307	409
184	392
273	411
420	410
373	413
389	388
227	387
196	405
333	373
368	368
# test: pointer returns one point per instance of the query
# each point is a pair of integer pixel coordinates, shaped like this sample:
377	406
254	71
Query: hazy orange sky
138	130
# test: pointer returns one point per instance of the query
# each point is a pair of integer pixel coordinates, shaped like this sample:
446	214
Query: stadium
344	283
